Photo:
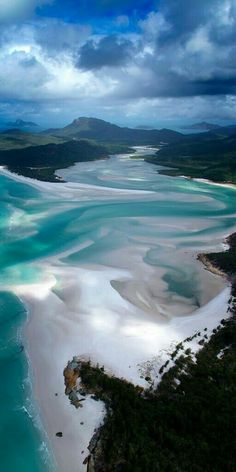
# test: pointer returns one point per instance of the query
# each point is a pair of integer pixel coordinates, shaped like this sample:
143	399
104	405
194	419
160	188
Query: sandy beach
119	313
110	331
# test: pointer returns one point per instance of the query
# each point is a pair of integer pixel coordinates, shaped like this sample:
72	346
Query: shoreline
33	400
210	266
64	188
62	338
56	413
212	182
42	185
107	387
56	325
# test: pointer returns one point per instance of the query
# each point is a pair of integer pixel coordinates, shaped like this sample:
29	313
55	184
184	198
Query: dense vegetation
226	261
188	422
39	156
42	161
18	139
209	155
102	131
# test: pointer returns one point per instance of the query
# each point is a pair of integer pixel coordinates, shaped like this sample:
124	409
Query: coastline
184	362
47	356
66	185
209	266
62	339
69	189
66	332
211	182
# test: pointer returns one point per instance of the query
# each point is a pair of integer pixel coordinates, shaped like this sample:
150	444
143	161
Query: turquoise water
22	442
37	225
23	446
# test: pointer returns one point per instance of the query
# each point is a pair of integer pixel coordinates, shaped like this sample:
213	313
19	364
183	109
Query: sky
158	63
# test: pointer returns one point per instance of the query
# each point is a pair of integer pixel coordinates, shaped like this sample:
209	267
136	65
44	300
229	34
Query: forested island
185	423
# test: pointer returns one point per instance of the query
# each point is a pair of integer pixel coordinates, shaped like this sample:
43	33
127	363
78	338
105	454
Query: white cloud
164	68
225	13
35	73
26	75
154	25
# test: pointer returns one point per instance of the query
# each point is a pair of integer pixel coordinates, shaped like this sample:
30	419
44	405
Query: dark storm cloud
193	49
109	51
169	84
184	49
139	53
174	86
217	86
185	16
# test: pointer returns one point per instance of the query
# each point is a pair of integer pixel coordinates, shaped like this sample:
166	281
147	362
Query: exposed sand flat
71	190
88	317
120	310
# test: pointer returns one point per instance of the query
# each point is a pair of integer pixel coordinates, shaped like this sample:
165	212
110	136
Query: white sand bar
120	312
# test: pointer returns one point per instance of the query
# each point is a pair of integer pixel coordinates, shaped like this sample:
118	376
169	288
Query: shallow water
153	228
167	222
23	445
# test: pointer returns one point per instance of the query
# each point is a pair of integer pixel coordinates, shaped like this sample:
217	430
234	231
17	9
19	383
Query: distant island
145	127
23	125
202	126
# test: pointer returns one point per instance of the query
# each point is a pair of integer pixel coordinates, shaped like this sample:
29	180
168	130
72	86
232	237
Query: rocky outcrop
71	375
77	395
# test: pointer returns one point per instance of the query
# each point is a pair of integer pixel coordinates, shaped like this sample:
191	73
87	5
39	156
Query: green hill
24	125
202	126
41	162
17	139
212	156
102	131
208	155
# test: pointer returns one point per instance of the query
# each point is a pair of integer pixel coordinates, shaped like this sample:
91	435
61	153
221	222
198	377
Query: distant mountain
102	131
224	130
144	127
23	125
203	126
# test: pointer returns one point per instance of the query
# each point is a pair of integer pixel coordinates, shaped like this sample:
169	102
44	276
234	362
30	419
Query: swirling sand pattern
107	266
